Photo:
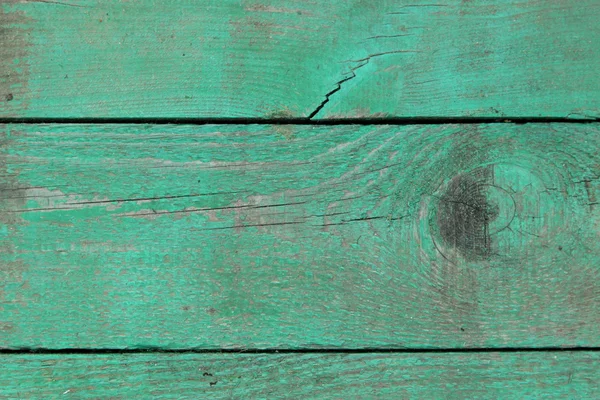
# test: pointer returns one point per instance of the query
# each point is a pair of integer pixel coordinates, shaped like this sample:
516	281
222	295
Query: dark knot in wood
469	213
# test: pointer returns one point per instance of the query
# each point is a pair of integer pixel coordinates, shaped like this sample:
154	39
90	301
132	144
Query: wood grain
449	236
306	376
297	59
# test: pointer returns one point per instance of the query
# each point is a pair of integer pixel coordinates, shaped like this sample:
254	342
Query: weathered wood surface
561	375
293	58
300	236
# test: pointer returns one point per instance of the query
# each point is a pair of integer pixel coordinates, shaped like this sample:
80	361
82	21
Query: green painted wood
447	236
287	58
562	375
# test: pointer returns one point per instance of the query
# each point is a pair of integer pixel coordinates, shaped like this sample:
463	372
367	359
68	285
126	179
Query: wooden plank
293	58
449	236
303	376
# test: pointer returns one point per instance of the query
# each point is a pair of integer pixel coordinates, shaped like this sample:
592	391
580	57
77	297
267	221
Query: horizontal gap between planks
24	351
298	121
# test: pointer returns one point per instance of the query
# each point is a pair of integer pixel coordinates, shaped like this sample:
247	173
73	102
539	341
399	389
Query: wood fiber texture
299	237
135	253
299	59
303	376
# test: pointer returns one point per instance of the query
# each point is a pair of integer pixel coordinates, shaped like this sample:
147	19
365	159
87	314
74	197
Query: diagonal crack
338	85
336	89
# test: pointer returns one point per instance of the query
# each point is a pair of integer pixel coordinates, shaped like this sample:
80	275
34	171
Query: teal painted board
563	375
260	236
299	59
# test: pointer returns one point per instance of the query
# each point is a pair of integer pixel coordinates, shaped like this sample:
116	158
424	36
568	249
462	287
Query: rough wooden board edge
320	236
342	59
302	376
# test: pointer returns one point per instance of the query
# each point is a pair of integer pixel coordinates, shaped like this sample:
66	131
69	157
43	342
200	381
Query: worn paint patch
14	68
12	196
